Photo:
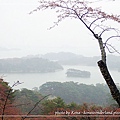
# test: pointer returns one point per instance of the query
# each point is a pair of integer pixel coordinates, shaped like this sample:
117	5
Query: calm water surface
31	80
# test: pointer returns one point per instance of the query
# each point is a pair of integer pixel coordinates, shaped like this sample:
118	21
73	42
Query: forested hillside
79	93
67	95
32	102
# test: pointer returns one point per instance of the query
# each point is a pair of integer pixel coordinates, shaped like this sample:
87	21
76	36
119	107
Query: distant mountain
67	58
61	56
28	65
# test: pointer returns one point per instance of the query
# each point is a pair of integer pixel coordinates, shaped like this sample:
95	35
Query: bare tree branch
35	106
84	14
95	21
111	38
114	50
108	29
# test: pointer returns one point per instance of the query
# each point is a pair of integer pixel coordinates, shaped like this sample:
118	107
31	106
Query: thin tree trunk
113	89
102	48
105	72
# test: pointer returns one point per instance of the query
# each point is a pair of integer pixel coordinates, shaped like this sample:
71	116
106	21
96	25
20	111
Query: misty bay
31	80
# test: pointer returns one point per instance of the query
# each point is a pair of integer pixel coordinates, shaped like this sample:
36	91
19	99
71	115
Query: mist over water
31	80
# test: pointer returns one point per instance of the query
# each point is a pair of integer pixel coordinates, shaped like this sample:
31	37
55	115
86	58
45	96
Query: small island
78	73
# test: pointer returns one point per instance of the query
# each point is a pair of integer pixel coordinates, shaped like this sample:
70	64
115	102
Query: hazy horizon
22	34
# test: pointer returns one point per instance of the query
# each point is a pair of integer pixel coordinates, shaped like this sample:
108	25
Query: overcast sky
22	34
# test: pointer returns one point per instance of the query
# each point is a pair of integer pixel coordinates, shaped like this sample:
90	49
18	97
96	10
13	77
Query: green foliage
72	106
78	93
65	96
58	105
72	92
52	105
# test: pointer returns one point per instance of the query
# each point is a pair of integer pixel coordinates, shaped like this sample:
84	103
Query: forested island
28	65
78	73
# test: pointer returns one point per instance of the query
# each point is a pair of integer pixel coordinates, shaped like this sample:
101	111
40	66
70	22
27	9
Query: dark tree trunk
113	89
